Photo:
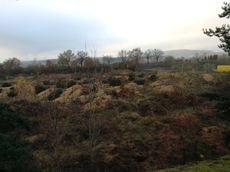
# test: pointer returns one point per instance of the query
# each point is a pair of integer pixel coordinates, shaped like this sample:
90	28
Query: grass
220	165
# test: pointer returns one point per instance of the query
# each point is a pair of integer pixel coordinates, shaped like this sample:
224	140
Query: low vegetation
15	153
222	164
119	121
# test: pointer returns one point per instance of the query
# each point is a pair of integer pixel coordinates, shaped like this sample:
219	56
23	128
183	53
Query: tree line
68	61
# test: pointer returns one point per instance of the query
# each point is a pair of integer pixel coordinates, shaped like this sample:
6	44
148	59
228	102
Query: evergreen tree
223	32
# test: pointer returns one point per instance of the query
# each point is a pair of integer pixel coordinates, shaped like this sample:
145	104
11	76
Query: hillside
186	53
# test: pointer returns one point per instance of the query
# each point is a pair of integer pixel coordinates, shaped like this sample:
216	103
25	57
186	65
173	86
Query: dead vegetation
168	119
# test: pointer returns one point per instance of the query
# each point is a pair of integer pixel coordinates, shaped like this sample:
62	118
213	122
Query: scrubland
116	121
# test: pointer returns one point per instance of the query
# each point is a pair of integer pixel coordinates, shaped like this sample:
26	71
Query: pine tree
223	32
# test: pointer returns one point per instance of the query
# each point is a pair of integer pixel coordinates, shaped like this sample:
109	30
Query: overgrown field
117	121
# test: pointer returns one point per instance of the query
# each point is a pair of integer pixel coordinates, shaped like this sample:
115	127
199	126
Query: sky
41	29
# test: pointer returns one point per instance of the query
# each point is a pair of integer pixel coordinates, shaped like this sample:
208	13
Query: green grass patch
220	165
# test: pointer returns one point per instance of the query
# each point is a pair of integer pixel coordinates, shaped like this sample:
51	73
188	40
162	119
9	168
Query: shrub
0	90
55	94
130	116
9	118
141	75
223	84
146	107
139	81
213	96
2	77
227	137
77	78
71	83
153	77
11	92
111	92
6	84
86	81
105	81
121	105
114	81
223	109
15	154
131	76
46	82
60	84
39	88
24	88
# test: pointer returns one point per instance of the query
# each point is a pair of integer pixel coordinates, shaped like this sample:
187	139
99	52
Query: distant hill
41	62
190	53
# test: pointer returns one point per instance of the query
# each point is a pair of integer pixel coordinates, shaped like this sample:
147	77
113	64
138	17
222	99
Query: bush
55	94
46	82
0	90
10	118
15	154
114	81
141	75
12	92
213	96
77	78
223	109
139	81
111	92
71	83
146	107
153	77
86	81
60	84
131	76
105	81
227	137
39	88
2	77
6	84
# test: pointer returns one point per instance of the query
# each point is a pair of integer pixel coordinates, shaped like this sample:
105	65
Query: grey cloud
31	30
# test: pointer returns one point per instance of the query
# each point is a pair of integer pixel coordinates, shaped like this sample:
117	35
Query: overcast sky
42	29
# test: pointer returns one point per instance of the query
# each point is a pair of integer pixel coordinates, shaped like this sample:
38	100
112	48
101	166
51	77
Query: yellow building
223	68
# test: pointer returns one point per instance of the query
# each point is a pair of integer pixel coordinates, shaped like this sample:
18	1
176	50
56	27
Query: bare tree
123	55
50	66
135	56
157	54
74	65
81	55
148	54
93	120
55	131
169	59
107	59
12	64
